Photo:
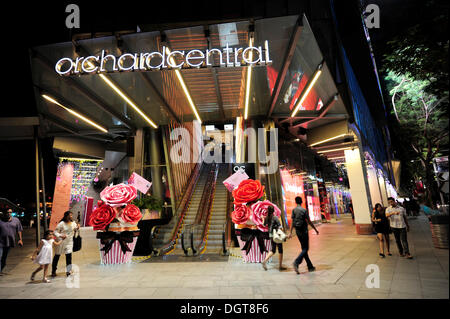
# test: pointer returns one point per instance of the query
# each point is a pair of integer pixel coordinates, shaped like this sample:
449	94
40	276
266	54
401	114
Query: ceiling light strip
128	100
184	87
124	96
76	114
309	87
335	150
248	81
328	139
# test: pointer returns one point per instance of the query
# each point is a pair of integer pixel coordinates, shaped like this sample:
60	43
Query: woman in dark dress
381	228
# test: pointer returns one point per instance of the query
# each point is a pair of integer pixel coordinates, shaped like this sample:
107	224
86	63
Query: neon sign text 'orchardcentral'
228	57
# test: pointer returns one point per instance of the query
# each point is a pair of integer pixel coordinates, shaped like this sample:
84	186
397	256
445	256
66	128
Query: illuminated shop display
84	172
297	185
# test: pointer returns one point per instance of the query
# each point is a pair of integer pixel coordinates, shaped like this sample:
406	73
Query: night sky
40	22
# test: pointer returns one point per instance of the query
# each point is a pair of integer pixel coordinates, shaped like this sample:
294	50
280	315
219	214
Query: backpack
298	218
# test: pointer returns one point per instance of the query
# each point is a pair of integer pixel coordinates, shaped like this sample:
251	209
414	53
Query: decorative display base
254	255
115	256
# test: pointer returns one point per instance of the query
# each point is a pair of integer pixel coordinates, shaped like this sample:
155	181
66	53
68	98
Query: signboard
139	182
147	61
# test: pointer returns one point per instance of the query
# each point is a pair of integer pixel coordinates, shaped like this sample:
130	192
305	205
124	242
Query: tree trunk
430	186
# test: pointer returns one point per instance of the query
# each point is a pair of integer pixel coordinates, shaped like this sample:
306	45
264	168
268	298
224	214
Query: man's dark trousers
303	237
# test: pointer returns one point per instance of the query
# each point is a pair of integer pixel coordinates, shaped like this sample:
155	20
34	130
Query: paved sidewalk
339	255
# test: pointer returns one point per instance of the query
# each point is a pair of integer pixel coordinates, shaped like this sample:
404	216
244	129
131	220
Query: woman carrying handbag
276	235
65	231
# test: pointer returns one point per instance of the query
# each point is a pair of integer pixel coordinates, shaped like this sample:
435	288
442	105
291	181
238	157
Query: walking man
300	220
9	226
399	226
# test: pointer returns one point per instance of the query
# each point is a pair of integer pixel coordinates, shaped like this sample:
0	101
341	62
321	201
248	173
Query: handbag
278	236
76	242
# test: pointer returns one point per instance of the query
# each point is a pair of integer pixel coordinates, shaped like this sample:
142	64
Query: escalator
165	239
218	215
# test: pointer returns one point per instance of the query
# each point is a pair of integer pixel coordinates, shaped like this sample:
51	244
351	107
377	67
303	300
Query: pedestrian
415	208
43	254
9	226
399	225
273	223
350	208
65	231
300	221
381	228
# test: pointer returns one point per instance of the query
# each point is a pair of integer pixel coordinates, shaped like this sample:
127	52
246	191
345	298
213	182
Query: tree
422	125
422	50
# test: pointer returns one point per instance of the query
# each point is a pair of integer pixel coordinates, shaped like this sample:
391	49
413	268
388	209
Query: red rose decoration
249	190
118	195
102	216
131	214
241	214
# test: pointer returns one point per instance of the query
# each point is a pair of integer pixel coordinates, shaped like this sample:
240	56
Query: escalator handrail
185	232
202	222
230	208
182	209
205	195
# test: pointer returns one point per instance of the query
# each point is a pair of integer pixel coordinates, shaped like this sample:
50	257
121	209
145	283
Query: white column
374	186
359	190
384	195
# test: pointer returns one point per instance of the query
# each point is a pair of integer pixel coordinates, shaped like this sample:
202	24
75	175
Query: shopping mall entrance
185	109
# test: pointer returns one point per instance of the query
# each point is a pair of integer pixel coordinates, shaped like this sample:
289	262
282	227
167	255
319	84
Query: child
44	258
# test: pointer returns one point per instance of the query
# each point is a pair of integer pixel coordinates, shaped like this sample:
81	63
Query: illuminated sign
227	57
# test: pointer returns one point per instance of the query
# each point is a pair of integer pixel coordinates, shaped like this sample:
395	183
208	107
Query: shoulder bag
278	236
76	241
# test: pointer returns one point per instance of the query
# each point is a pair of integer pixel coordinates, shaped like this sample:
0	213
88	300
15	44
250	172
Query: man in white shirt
399	226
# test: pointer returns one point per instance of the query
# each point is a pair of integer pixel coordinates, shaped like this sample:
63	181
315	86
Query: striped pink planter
254	255
115	256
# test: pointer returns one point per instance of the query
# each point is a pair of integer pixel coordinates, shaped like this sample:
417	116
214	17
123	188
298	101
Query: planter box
254	255
115	256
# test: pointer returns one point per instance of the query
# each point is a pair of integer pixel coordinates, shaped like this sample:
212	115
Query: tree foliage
421	126
422	51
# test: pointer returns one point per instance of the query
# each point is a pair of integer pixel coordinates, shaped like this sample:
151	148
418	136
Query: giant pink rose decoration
118	195
259	212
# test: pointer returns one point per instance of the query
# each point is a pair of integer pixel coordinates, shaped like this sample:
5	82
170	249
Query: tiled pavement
339	255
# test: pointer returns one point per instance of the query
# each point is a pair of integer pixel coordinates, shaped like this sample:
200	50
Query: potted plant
149	205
